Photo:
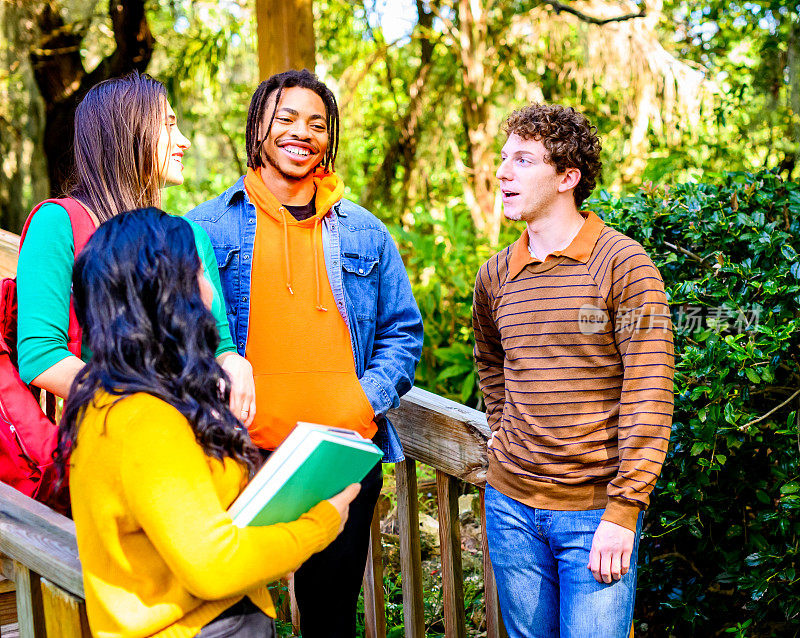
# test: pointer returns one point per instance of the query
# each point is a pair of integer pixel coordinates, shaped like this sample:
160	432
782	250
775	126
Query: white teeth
294	150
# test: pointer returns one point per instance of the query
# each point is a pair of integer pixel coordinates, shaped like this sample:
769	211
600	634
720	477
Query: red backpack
28	436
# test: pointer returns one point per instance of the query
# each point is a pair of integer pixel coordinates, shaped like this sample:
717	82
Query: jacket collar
234	191
238	190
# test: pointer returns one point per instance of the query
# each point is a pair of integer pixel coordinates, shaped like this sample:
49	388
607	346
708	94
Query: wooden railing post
410	557
295	610
374	606
30	614
450	544
64	614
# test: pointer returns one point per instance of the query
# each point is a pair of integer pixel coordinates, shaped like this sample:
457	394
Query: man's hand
610	557
243	388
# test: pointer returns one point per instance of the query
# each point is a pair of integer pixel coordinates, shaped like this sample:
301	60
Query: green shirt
44	285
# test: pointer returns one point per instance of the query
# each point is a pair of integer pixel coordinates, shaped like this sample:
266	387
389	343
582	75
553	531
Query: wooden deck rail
451	438
9	251
39	552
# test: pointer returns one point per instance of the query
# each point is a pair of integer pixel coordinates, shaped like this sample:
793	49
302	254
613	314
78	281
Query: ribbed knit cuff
622	513
328	519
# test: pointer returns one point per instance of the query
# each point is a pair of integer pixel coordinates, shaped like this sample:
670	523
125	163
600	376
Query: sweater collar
580	248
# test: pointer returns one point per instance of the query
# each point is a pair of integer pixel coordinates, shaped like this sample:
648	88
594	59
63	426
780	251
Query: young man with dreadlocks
320	304
573	345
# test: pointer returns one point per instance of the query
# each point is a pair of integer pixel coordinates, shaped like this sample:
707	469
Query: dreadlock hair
304	79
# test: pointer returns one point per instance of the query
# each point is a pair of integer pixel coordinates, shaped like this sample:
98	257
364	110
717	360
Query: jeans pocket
250	623
223	627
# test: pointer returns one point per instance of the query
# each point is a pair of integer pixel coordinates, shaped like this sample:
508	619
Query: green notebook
313	463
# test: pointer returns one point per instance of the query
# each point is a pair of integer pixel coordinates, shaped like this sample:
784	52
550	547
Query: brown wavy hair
569	138
117	126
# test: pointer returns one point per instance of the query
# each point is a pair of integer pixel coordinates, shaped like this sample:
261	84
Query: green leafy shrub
442	253
723	534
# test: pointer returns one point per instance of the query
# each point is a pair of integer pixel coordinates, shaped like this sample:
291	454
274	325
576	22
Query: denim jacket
369	284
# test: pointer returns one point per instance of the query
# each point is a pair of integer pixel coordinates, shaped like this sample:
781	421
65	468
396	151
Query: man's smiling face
297	142
529	185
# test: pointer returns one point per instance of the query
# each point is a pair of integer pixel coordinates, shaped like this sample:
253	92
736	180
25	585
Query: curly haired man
573	345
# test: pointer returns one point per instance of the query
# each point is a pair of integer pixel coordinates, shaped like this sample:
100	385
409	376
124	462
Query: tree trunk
23	171
790	159
285	31
403	150
62	80
481	121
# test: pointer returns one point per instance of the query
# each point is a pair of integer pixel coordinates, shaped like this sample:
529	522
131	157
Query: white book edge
285	459
330	428
254	506
270	468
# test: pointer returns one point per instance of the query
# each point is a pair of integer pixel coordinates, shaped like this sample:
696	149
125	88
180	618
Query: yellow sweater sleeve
169	488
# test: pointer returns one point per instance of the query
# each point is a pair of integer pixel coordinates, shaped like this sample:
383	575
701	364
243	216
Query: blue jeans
545	588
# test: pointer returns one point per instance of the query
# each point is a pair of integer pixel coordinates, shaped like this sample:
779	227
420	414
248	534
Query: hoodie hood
329	190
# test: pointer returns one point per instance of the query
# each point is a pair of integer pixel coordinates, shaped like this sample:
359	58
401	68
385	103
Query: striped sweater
575	361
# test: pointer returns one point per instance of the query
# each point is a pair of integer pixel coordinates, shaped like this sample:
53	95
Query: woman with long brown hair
127	148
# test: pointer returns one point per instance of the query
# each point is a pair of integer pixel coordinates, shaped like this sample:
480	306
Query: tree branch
232	146
691	565
404	147
449	25
135	43
688	253
559	7
770	413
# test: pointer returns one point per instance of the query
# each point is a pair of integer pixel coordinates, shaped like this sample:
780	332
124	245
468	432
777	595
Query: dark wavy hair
137	299
305	79
569	138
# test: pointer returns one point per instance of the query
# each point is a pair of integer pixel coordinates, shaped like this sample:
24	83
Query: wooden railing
9	251
39	551
451	438
40	556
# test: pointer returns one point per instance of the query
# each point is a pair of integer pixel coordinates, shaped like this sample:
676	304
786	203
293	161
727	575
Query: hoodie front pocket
360	277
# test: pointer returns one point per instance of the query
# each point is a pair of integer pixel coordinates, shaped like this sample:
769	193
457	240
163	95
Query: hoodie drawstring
286	252
316	265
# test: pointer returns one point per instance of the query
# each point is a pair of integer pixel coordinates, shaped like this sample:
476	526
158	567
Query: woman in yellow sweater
156	455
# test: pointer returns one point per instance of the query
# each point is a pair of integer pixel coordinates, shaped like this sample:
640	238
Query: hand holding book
342	502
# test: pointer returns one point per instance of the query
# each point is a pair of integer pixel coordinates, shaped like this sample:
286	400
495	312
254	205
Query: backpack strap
82	229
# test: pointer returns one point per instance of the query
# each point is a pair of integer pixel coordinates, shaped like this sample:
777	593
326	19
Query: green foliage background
720	554
722	546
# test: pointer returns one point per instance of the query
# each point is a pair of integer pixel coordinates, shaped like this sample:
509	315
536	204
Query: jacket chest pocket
360	278
228	265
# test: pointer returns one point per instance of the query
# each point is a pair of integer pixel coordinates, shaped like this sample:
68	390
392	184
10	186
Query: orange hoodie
298	343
